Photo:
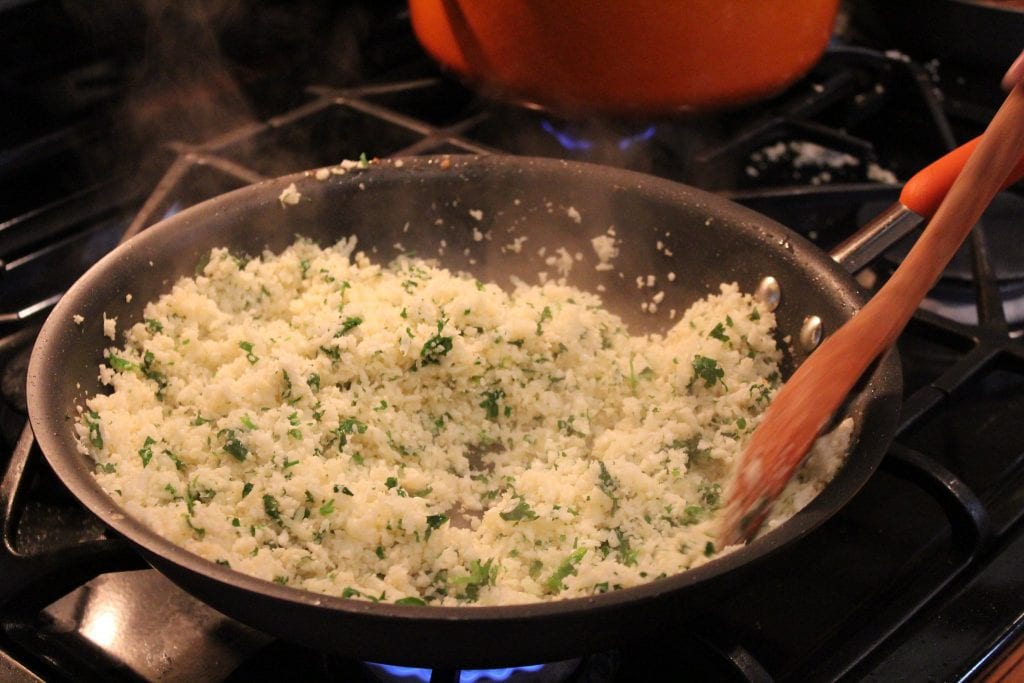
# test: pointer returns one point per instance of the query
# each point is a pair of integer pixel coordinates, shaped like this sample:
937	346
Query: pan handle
919	199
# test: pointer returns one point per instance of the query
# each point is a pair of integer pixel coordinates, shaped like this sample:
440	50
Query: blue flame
468	676
565	139
577	143
643	136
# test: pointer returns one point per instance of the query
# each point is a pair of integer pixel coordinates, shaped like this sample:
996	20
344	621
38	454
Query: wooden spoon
807	401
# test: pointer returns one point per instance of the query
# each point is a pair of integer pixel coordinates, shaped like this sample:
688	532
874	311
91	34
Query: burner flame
576	142
466	676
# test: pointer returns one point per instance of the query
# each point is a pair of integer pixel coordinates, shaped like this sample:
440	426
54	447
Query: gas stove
917	578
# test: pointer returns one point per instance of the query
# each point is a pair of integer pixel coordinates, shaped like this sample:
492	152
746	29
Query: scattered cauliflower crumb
109	326
574	214
476	214
290	195
128	298
323	173
78	319
477	235
604	247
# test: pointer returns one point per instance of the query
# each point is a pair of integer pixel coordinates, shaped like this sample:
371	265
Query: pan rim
83	486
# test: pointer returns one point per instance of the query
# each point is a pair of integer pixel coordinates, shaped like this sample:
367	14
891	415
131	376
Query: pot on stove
650	56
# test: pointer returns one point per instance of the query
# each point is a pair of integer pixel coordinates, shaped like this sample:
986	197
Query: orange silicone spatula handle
923	193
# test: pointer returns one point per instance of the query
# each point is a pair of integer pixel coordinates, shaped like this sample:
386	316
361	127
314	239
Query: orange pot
626	56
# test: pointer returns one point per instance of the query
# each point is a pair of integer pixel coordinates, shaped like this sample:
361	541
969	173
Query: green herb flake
313	382
246	489
146	452
247	422
708	370
436	347
709	549
120	364
363	161
249	355
608	486
153	325
719	333
349	324
480	574
545	315
327	508
490	402
521	511
411	601
271	507
568	566
754	316
232	445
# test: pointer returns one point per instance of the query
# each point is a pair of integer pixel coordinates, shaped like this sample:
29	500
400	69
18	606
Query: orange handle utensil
807	401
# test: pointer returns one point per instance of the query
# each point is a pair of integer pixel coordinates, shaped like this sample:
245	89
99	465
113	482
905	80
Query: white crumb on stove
658	298
362	186
399	163
659	245
561	260
405	228
812	154
574	214
651	280
606	250
517	202
477	235
452	441
322	173
109	326
516	245
439	221
128	298
476	214
397	246
752	172
881	175
707	221
289	195
671	277
542	251
79	319
672	314
639	281
601	288
444	244
818	87
897	55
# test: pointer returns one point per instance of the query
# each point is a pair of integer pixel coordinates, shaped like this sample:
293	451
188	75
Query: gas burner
551	672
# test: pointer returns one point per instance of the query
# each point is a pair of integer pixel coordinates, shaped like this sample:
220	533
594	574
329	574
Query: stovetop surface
915	579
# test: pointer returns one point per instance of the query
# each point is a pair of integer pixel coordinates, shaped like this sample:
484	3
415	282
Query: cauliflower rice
409	435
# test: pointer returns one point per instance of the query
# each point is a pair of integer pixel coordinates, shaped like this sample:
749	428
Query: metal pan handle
920	197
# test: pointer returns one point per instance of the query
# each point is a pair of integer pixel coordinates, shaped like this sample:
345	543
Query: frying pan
414	204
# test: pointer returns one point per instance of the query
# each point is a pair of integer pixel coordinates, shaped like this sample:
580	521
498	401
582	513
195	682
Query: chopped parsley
271	507
719	333
153	326
608	486
410	601
249	355
348	324
146	452
120	364
327	508
708	370
436	347
490	403
545	315
521	511
92	421
232	445
480	574
568	566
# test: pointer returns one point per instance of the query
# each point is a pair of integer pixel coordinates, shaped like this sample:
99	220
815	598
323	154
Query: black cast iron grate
942	513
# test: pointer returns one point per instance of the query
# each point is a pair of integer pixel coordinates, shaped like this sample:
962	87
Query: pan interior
495	218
